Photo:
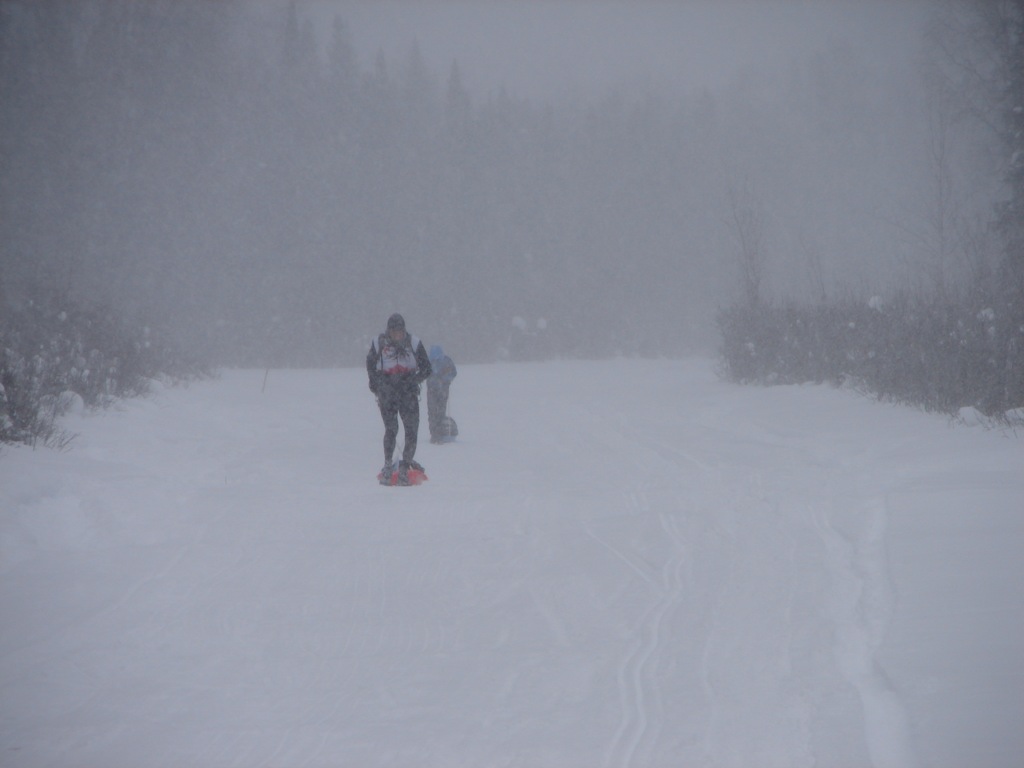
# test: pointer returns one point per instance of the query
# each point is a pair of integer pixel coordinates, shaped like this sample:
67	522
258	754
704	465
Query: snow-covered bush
54	353
940	354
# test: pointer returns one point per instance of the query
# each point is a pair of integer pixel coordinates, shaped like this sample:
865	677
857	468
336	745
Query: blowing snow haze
268	182
625	558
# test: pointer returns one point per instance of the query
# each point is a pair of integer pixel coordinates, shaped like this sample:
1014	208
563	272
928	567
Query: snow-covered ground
625	563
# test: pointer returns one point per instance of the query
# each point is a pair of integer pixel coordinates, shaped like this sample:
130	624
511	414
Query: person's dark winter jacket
397	367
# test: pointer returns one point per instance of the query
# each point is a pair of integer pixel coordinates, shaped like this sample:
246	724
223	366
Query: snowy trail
619	564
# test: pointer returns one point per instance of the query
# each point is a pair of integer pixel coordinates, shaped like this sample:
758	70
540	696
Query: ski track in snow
860	626
640	694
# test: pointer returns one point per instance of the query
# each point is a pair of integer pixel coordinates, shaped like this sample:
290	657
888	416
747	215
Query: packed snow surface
625	563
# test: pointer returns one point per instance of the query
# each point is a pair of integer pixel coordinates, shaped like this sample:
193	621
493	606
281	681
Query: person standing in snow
437	393
397	363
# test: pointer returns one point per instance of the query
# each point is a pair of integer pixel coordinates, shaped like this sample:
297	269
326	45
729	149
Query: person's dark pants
404	403
437	409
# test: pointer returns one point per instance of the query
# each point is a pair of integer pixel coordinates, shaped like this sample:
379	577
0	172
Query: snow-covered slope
625	563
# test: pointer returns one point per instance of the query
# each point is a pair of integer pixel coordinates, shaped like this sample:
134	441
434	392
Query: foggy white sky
542	48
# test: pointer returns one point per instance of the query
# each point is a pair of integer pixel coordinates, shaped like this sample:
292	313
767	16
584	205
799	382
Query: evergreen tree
458	107
1011	215
1010	37
342	73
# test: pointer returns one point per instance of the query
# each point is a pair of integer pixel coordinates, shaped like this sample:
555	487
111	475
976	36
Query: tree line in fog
234	174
